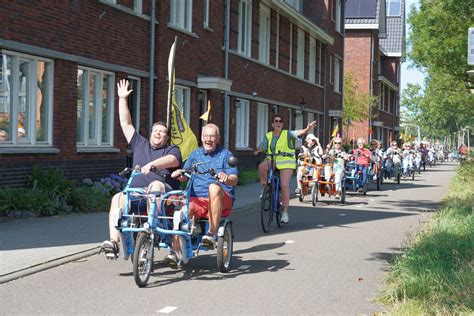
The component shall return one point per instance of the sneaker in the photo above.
(360, 190)
(375, 178)
(172, 260)
(338, 196)
(111, 249)
(209, 241)
(284, 218)
(298, 191)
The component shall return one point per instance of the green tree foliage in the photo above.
(438, 45)
(357, 105)
(438, 40)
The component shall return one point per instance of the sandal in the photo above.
(111, 249)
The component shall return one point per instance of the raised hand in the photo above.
(312, 125)
(122, 89)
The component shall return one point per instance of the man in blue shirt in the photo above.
(211, 197)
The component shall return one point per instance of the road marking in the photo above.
(167, 309)
(271, 268)
(321, 225)
(359, 205)
(289, 242)
(371, 200)
(342, 214)
(243, 267)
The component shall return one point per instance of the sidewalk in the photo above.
(35, 244)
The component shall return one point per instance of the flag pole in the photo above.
(171, 82)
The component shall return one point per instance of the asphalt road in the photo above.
(329, 260)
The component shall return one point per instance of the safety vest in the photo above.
(282, 145)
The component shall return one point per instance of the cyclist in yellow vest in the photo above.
(281, 140)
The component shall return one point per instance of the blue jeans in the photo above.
(365, 171)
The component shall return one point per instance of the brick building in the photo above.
(374, 48)
(61, 61)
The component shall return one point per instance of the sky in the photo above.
(409, 75)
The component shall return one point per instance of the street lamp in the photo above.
(302, 104)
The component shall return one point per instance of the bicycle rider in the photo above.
(312, 151)
(210, 197)
(340, 157)
(155, 152)
(280, 140)
(393, 155)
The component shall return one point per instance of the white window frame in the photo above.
(206, 14)
(136, 94)
(98, 86)
(338, 16)
(138, 6)
(277, 49)
(31, 97)
(183, 100)
(181, 14)
(290, 66)
(300, 62)
(298, 126)
(290, 119)
(262, 121)
(312, 60)
(242, 119)
(388, 7)
(337, 74)
(310, 119)
(245, 28)
(264, 34)
(295, 4)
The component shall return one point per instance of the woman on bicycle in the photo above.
(339, 158)
(280, 140)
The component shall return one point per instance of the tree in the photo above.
(357, 106)
(438, 39)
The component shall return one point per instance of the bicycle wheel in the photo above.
(379, 181)
(143, 259)
(413, 175)
(278, 213)
(314, 193)
(225, 246)
(266, 212)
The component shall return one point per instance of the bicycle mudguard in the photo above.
(223, 224)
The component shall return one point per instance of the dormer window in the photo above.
(393, 7)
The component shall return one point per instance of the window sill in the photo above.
(179, 29)
(243, 148)
(126, 9)
(207, 28)
(96, 149)
(28, 150)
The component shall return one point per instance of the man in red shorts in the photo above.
(210, 196)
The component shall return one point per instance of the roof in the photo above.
(366, 14)
(394, 43)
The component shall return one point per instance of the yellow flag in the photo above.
(205, 116)
(181, 134)
(335, 130)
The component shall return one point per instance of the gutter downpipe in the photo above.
(372, 58)
(152, 66)
(325, 106)
(226, 74)
(343, 66)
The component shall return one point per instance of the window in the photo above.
(242, 108)
(262, 121)
(138, 6)
(181, 14)
(331, 76)
(295, 4)
(95, 107)
(206, 14)
(298, 126)
(312, 60)
(381, 96)
(318, 62)
(393, 7)
(300, 54)
(338, 15)
(26, 99)
(134, 101)
(337, 74)
(310, 119)
(264, 41)
(182, 95)
(245, 27)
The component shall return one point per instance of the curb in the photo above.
(72, 257)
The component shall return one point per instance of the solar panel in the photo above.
(361, 8)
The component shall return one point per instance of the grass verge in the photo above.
(248, 176)
(435, 275)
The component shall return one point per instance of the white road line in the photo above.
(289, 242)
(342, 214)
(359, 205)
(167, 309)
(371, 200)
(271, 268)
(321, 225)
(243, 267)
